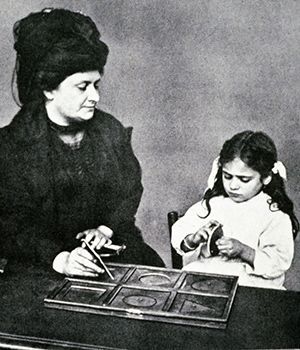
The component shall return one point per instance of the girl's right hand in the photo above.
(192, 241)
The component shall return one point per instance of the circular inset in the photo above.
(206, 285)
(200, 285)
(139, 300)
(154, 279)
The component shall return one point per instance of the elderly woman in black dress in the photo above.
(67, 168)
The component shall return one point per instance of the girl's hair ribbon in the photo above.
(280, 169)
(213, 173)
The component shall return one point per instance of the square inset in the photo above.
(84, 294)
(145, 300)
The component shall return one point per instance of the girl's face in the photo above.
(74, 99)
(241, 182)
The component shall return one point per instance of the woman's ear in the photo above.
(267, 180)
(48, 94)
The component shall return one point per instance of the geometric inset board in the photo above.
(149, 293)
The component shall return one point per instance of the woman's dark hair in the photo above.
(258, 151)
(51, 45)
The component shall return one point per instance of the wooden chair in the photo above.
(175, 257)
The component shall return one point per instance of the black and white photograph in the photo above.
(149, 174)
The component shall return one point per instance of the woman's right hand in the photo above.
(97, 237)
(77, 263)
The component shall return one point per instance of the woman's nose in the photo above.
(93, 94)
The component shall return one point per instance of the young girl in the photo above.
(246, 196)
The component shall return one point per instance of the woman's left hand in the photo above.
(97, 237)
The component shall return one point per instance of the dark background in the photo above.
(187, 75)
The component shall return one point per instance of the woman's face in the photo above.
(75, 98)
(241, 182)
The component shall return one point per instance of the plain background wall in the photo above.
(187, 75)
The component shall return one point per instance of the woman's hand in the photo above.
(97, 237)
(233, 248)
(77, 263)
(81, 263)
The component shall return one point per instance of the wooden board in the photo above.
(149, 293)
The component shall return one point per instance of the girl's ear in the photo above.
(267, 180)
(48, 95)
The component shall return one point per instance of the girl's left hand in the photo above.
(230, 247)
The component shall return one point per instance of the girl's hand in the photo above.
(233, 248)
(97, 237)
(192, 241)
(229, 247)
(77, 263)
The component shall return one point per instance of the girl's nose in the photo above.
(234, 184)
(93, 94)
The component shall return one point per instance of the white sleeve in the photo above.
(275, 250)
(188, 224)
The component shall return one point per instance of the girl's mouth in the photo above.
(234, 195)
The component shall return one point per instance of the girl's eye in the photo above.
(245, 179)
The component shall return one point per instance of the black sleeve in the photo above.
(122, 216)
(24, 231)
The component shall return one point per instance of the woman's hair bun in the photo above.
(55, 43)
(37, 32)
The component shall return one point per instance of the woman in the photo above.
(67, 169)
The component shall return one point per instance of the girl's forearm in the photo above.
(188, 244)
(247, 254)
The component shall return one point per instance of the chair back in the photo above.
(175, 257)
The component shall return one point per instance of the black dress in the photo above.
(49, 192)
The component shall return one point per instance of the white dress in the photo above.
(267, 230)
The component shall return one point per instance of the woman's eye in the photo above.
(245, 180)
(82, 87)
(227, 176)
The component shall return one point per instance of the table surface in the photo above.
(260, 318)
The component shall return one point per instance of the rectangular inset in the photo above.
(144, 300)
(150, 278)
(117, 271)
(205, 283)
(199, 306)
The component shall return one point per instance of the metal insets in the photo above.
(149, 293)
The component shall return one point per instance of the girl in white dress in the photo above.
(246, 195)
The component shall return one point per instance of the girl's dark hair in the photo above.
(258, 151)
(51, 45)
